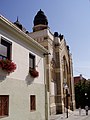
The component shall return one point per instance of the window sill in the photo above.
(3, 116)
(32, 110)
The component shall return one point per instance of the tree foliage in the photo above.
(82, 93)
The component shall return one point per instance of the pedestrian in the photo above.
(79, 110)
(86, 108)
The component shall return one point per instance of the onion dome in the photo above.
(18, 24)
(55, 34)
(40, 18)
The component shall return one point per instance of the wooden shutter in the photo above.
(4, 105)
(32, 102)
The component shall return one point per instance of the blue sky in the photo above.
(68, 17)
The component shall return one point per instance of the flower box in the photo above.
(3, 72)
(7, 66)
(34, 73)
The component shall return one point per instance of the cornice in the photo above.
(10, 27)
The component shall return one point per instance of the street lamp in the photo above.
(86, 98)
(67, 95)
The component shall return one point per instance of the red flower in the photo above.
(7, 65)
(34, 73)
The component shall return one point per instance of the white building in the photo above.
(22, 97)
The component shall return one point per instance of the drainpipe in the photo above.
(46, 91)
(46, 97)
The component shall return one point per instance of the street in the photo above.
(75, 115)
(72, 116)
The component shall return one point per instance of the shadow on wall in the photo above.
(29, 80)
(2, 78)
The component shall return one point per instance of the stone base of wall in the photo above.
(53, 110)
(55, 106)
(56, 110)
(59, 110)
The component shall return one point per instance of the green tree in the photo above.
(82, 93)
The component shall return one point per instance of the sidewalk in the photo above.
(72, 115)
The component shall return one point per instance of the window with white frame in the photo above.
(5, 49)
(31, 61)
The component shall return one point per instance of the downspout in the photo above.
(46, 96)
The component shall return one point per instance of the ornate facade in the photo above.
(59, 69)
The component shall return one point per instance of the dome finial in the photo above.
(17, 18)
(18, 24)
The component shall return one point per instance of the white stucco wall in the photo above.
(19, 99)
(20, 55)
(19, 85)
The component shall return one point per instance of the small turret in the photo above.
(56, 39)
(18, 24)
